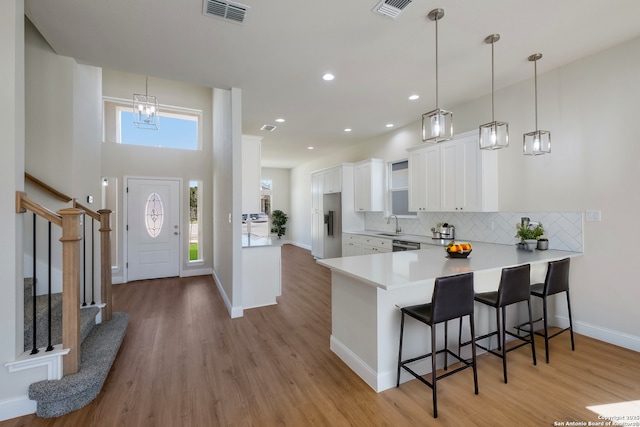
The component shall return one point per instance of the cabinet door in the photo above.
(424, 179)
(333, 180)
(461, 181)
(362, 185)
(432, 178)
(417, 181)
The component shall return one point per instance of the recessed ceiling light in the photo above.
(414, 97)
(347, 130)
(389, 125)
(280, 120)
(328, 77)
(309, 148)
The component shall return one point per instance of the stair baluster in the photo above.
(34, 295)
(84, 260)
(50, 322)
(93, 261)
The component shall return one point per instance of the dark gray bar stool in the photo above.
(514, 288)
(452, 299)
(556, 281)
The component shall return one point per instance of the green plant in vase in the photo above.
(529, 236)
(278, 222)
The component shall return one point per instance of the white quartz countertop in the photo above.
(399, 269)
(257, 241)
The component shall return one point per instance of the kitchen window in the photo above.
(399, 188)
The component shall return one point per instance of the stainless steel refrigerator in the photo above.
(332, 230)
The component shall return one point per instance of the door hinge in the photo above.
(127, 227)
(127, 189)
(127, 265)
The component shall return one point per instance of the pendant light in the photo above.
(493, 135)
(437, 125)
(539, 141)
(146, 114)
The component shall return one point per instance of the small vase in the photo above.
(530, 244)
(543, 245)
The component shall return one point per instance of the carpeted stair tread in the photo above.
(87, 321)
(72, 392)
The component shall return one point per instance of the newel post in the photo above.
(105, 264)
(71, 239)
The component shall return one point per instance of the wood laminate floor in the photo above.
(184, 362)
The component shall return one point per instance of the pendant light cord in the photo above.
(493, 114)
(535, 84)
(436, 61)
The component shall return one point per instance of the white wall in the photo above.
(13, 387)
(227, 196)
(120, 160)
(590, 107)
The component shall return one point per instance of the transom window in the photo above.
(178, 127)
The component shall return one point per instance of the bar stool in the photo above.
(452, 299)
(556, 281)
(514, 288)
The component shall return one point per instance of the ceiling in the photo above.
(278, 56)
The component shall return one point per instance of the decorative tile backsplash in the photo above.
(563, 229)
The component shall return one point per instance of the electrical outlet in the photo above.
(594, 215)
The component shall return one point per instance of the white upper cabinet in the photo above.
(332, 179)
(454, 176)
(251, 152)
(369, 185)
(424, 178)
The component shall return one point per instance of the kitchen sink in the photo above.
(389, 234)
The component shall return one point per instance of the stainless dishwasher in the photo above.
(404, 245)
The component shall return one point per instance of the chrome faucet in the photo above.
(398, 229)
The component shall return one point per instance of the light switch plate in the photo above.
(594, 215)
(89, 199)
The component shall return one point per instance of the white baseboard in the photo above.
(356, 364)
(233, 311)
(610, 336)
(197, 272)
(16, 407)
(117, 280)
(300, 245)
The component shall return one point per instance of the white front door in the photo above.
(153, 228)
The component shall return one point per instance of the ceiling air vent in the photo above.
(228, 11)
(391, 8)
(270, 128)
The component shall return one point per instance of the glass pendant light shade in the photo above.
(493, 135)
(146, 114)
(539, 141)
(437, 125)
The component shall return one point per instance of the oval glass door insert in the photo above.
(154, 214)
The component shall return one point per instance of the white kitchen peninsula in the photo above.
(367, 290)
(261, 270)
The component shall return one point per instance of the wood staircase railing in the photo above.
(69, 220)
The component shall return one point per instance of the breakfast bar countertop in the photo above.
(399, 269)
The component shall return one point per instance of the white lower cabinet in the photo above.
(358, 244)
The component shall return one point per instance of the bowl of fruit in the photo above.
(458, 250)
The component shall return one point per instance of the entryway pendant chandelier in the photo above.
(146, 114)
(539, 141)
(437, 125)
(493, 135)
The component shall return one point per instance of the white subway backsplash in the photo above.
(563, 229)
